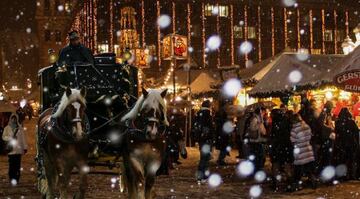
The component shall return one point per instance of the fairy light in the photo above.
(111, 31)
(285, 29)
(272, 32)
(91, 24)
(335, 31)
(347, 22)
(158, 34)
(86, 24)
(218, 33)
(323, 30)
(259, 32)
(188, 20)
(232, 34)
(203, 32)
(143, 23)
(298, 28)
(311, 31)
(173, 17)
(245, 29)
(95, 25)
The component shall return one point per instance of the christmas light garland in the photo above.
(218, 33)
(95, 47)
(335, 31)
(232, 35)
(245, 29)
(111, 26)
(323, 31)
(272, 32)
(143, 24)
(285, 28)
(203, 32)
(188, 25)
(298, 28)
(259, 33)
(347, 22)
(173, 17)
(158, 34)
(311, 31)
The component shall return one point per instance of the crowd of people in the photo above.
(299, 144)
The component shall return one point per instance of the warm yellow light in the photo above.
(329, 95)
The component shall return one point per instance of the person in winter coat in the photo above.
(327, 137)
(255, 132)
(222, 137)
(304, 159)
(347, 143)
(14, 136)
(204, 135)
(281, 148)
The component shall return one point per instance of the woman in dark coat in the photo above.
(347, 142)
(281, 149)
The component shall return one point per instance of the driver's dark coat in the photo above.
(72, 54)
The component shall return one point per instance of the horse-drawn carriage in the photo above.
(81, 127)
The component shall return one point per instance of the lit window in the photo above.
(238, 32)
(251, 32)
(328, 35)
(316, 51)
(340, 35)
(208, 10)
(103, 48)
(223, 11)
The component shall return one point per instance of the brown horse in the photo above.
(63, 145)
(144, 145)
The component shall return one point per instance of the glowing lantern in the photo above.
(175, 46)
(142, 58)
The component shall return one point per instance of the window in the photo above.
(340, 35)
(328, 35)
(47, 35)
(222, 11)
(58, 36)
(238, 32)
(251, 32)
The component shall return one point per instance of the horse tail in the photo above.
(42, 183)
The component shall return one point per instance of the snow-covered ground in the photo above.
(180, 184)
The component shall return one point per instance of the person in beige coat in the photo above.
(14, 136)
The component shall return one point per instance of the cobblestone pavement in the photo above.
(180, 184)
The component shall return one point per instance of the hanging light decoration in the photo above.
(143, 24)
(285, 29)
(173, 17)
(272, 32)
(232, 34)
(188, 25)
(311, 31)
(95, 26)
(298, 28)
(347, 22)
(323, 31)
(203, 33)
(111, 26)
(218, 33)
(335, 31)
(246, 29)
(259, 32)
(158, 34)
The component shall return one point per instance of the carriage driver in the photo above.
(75, 52)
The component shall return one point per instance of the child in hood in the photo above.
(14, 136)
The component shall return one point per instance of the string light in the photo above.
(335, 31)
(285, 29)
(259, 32)
(347, 22)
(111, 27)
(158, 34)
(143, 23)
(91, 24)
(203, 32)
(272, 32)
(188, 19)
(95, 26)
(298, 28)
(323, 30)
(245, 29)
(232, 34)
(173, 17)
(311, 31)
(218, 33)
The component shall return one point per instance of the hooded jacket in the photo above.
(19, 141)
(300, 137)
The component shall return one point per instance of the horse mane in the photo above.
(152, 97)
(65, 101)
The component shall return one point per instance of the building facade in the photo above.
(317, 27)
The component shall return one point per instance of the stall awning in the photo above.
(202, 84)
(312, 70)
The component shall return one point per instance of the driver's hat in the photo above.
(73, 35)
